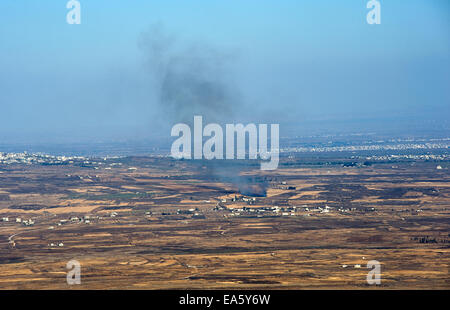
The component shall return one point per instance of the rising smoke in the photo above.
(189, 78)
(196, 79)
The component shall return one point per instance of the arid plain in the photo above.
(156, 223)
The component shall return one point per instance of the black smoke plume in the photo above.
(196, 79)
(189, 78)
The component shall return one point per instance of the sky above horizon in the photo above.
(281, 62)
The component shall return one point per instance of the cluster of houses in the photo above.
(194, 212)
(357, 266)
(305, 210)
(278, 211)
(283, 185)
(28, 222)
(57, 244)
(189, 211)
(248, 200)
(43, 159)
(88, 177)
(74, 219)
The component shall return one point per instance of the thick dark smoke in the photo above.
(234, 172)
(253, 190)
(196, 79)
(190, 79)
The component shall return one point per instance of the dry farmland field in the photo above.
(156, 223)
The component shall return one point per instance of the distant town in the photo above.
(370, 149)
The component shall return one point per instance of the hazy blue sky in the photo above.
(287, 60)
